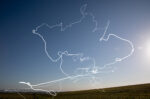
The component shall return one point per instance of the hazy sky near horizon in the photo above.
(22, 56)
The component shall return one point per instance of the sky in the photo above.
(22, 55)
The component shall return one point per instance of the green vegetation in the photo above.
(125, 92)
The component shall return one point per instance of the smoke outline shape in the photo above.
(89, 71)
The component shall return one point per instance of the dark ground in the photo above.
(141, 91)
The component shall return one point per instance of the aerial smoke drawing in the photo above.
(79, 71)
(56, 47)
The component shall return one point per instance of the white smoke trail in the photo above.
(88, 72)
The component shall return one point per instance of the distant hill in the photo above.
(141, 91)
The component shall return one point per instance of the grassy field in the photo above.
(125, 92)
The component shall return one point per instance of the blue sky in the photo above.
(22, 56)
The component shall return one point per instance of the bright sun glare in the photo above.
(148, 48)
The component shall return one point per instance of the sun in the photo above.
(148, 48)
